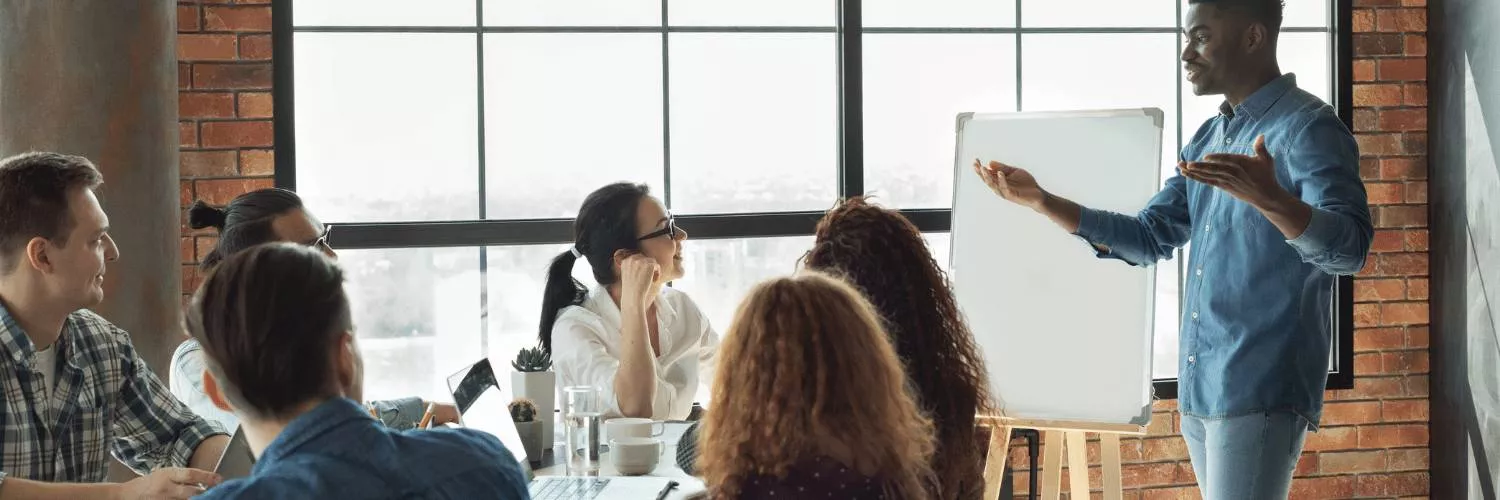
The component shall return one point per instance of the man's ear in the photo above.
(215, 394)
(1256, 38)
(36, 254)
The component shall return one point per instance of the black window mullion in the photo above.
(851, 167)
(484, 261)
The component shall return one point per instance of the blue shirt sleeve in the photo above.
(1322, 161)
(1151, 235)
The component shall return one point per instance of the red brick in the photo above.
(1408, 460)
(1185, 474)
(1416, 45)
(1162, 449)
(1377, 94)
(187, 133)
(188, 19)
(1403, 120)
(1387, 240)
(1416, 385)
(1178, 493)
(1379, 290)
(232, 76)
(1306, 464)
(1416, 192)
(1392, 436)
(254, 104)
(1388, 485)
(1414, 143)
(184, 75)
(222, 191)
(1414, 94)
(1377, 387)
(186, 250)
(1404, 313)
(244, 19)
(1364, 70)
(1418, 337)
(1414, 3)
(1367, 363)
(1413, 410)
(1161, 425)
(1417, 240)
(1366, 315)
(1404, 69)
(208, 163)
(185, 193)
(1364, 21)
(1405, 362)
(1370, 266)
(1379, 339)
(1348, 413)
(1366, 120)
(205, 105)
(1403, 168)
(204, 245)
(1403, 216)
(1332, 438)
(1369, 168)
(1164, 405)
(255, 47)
(1376, 3)
(237, 134)
(1378, 144)
(257, 162)
(1132, 450)
(1402, 264)
(1158, 474)
(1385, 193)
(1351, 461)
(1397, 20)
(1323, 487)
(204, 47)
(190, 278)
(1378, 44)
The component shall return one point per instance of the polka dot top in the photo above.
(815, 479)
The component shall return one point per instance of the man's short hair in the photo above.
(1267, 12)
(34, 190)
(269, 319)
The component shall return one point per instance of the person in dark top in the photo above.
(832, 415)
(883, 255)
(274, 322)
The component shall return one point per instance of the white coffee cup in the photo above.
(631, 427)
(633, 456)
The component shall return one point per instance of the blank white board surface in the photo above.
(1065, 335)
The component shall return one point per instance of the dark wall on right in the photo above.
(1464, 122)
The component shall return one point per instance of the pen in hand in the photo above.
(426, 422)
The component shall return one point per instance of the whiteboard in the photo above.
(1065, 335)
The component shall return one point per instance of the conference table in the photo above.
(665, 468)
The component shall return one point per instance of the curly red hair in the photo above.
(806, 371)
(884, 255)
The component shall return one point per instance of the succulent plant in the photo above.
(532, 359)
(522, 410)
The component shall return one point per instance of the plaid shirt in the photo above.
(105, 395)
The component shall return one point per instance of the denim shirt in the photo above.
(1258, 310)
(338, 451)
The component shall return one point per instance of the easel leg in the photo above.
(994, 464)
(1078, 465)
(1052, 445)
(1109, 460)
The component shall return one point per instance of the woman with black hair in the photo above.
(646, 347)
(253, 218)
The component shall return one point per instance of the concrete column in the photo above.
(98, 78)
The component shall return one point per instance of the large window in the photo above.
(451, 141)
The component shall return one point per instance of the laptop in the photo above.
(237, 459)
(484, 407)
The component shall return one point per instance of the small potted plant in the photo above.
(535, 380)
(523, 413)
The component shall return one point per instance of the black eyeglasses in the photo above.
(670, 229)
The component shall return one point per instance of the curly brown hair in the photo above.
(883, 254)
(809, 373)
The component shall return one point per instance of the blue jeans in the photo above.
(1249, 457)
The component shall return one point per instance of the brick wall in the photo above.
(224, 108)
(1374, 441)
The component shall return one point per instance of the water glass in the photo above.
(582, 414)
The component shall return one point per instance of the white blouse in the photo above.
(586, 347)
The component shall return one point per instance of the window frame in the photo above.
(850, 169)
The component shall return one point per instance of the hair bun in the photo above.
(201, 215)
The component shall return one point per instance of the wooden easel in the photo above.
(1053, 434)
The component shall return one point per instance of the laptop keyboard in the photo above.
(569, 488)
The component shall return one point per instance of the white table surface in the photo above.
(666, 467)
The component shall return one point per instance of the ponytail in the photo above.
(561, 291)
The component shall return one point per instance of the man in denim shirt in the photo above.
(1270, 195)
(274, 322)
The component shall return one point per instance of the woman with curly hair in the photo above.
(822, 405)
(883, 254)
